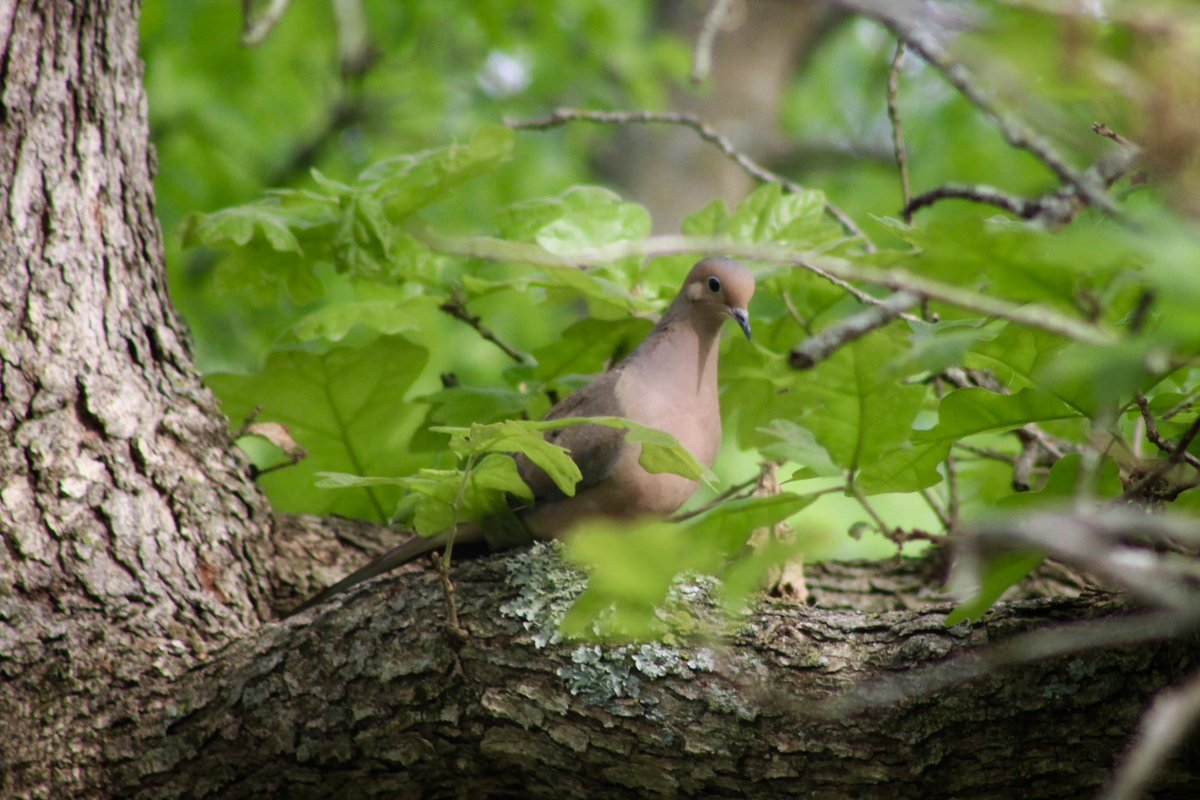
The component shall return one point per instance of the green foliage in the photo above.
(624, 594)
(346, 407)
(408, 305)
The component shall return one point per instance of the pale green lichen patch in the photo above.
(614, 675)
(546, 587)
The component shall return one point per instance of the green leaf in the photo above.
(1022, 357)
(498, 473)
(589, 346)
(1001, 572)
(728, 526)
(346, 408)
(661, 452)
(962, 413)
(267, 220)
(631, 566)
(407, 183)
(579, 219)
(857, 409)
(334, 321)
(512, 436)
(797, 444)
(1064, 483)
(769, 214)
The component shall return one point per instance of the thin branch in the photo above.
(893, 109)
(816, 349)
(702, 54)
(1162, 729)
(857, 293)
(985, 452)
(858, 495)
(456, 307)
(1157, 439)
(356, 54)
(1054, 208)
(1178, 453)
(1182, 405)
(1105, 542)
(256, 29)
(952, 496)
(746, 486)
(1023, 464)
(453, 625)
(936, 507)
(1029, 314)
(563, 116)
(1101, 129)
(805, 324)
(977, 193)
(1015, 131)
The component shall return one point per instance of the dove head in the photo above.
(719, 288)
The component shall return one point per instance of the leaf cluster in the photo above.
(1029, 377)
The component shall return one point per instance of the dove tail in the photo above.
(398, 555)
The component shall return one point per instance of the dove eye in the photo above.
(714, 283)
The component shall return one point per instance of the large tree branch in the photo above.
(365, 694)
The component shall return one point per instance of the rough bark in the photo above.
(374, 698)
(138, 564)
(125, 515)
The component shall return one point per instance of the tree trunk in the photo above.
(128, 521)
(139, 567)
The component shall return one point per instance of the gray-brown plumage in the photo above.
(669, 383)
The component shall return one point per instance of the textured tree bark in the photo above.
(139, 566)
(374, 698)
(128, 523)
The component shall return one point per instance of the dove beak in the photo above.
(743, 319)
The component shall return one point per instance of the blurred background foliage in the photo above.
(326, 304)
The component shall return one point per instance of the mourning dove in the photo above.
(668, 383)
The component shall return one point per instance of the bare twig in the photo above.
(1157, 439)
(1054, 208)
(355, 52)
(1015, 131)
(1178, 454)
(987, 195)
(936, 507)
(952, 498)
(801, 320)
(893, 109)
(985, 452)
(1108, 133)
(816, 349)
(453, 626)
(737, 491)
(1106, 542)
(702, 54)
(1161, 731)
(456, 307)
(563, 116)
(857, 293)
(1028, 314)
(1023, 464)
(1181, 406)
(858, 495)
(255, 29)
